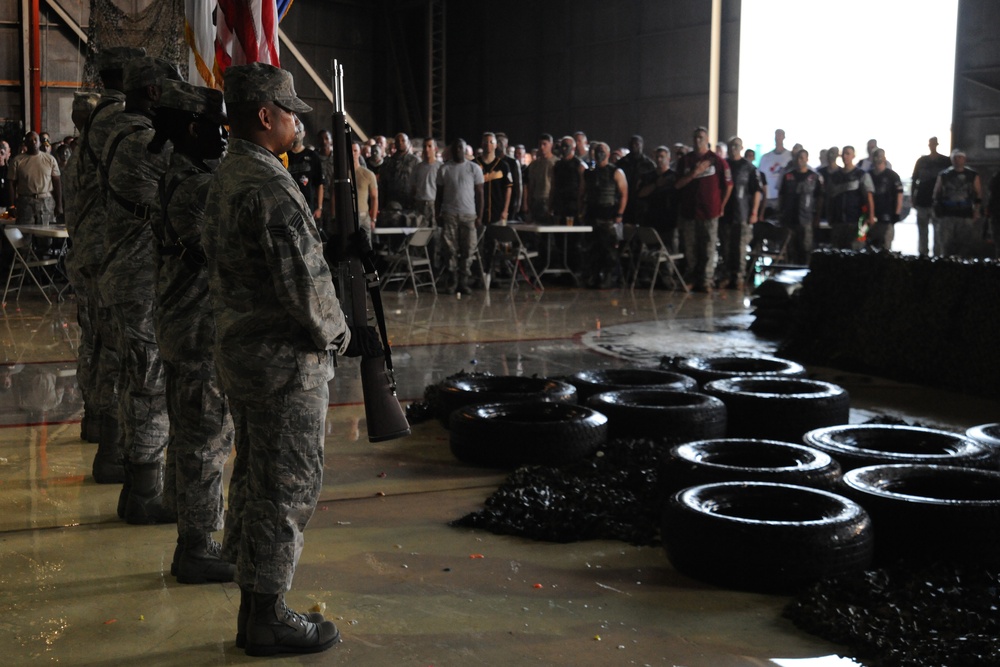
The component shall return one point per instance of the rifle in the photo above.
(355, 272)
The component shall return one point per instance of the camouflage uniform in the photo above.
(279, 323)
(126, 284)
(201, 429)
(72, 181)
(87, 254)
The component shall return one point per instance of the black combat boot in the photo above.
(90, 425)
(273, 628)
(200, 563)
(177, 556)
(126, 489)
(108, 465)
(144, 503)
(246, 600)
(462, 285)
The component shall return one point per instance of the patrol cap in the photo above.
(116, 57)
(259, 82)
(148, 71)
(84, 101)
(185, 96)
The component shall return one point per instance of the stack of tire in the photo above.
(775, 302)
(933, 496)
(508, 421)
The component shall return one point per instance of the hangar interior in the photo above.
(80, 587)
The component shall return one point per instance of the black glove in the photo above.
(364, 343)
(360, 243)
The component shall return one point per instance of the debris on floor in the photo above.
(610, 496)
(907, 615)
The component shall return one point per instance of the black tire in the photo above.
(779, 408)
(507, 435)
(929, 512)
(858, 445)
(707, 369)
(458, 392)
(747, 460)
(659, 414)
(773, 538)
(986, 434)
(588, 383)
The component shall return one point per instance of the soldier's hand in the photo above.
(364, 342)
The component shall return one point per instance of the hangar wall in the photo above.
(976, 104)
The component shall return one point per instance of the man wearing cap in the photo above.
(33, 179)
(131, 175)
(278, 326)
(100, 417)
(191, 119)
(957, 205)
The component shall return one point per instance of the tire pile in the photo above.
(932, 320)
(751, 478)
(775, 303)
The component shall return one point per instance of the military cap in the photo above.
(85, 101)
(185, 96)
(259, 82)
(116, 57)
(148, 71)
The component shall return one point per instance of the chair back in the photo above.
(650, 237)
(421, 237)
(503, 234)
(15, 237)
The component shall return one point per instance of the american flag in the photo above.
(221, 33)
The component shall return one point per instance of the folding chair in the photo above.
(412, 262)
(653, 252)
(508, 249)
(768, 248)
(23, 263)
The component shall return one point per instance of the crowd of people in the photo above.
(703, 201)
(208, 314)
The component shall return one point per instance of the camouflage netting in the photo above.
(159, 28)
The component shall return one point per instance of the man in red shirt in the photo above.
(705, 184)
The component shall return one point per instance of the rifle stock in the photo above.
(357, 279)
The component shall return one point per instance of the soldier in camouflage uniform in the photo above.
(84, 104)
(201, 430)
(278, 326)
(460, 205)
(396, 176)
(86, 256)
(127, 287)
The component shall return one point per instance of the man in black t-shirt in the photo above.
(925, 173)
(306, 167)
(656, 188)
(498, 182)
(887, 191)
(800, 197)
(740, 213)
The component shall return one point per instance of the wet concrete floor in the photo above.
(79, 587)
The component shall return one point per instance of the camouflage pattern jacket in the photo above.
(133, 175)
(88, 229)
(185, 329)
(278, 319)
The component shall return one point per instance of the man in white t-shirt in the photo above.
(772, 165)
(423, 183)
(460, 205)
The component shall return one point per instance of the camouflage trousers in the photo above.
(104, 361)
(460, 241)
(277, 478)
(602, 251)
(36, 210)
(142, 390)
(424, 209)
(85, 353)
(201, 439)
(700, 253)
